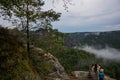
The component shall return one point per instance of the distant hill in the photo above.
(98, 39)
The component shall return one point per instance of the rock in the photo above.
(79, 74)
(58, 73)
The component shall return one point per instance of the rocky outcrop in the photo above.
(58, 73)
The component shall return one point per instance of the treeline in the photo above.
(98, 39)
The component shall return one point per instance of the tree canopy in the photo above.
(25, 13)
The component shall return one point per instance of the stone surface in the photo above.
(59, 72)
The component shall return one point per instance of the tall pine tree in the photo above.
(26, 13)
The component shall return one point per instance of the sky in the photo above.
(87, 15)
(84, 15)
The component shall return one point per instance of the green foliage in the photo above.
(52, 41)
(14, 63)
(74, 59)
(49, 40)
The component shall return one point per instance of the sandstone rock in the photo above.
(59, 72)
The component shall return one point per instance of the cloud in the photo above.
(5, 23)
(109, 53)
(84, 15)
(115, 27)
(90, 13)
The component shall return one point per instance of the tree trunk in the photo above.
(27, 31)
(28, 41)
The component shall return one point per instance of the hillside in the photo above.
(16, 65)
(98, 39)
(49, 59)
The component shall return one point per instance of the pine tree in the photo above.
(25, 13)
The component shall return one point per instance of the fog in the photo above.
(109, 53)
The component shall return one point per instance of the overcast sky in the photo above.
(87, 15)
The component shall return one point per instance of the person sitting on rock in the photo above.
(96, 68)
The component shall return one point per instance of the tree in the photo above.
(25, 13)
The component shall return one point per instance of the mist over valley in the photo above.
(102, 44)
(107, 52)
